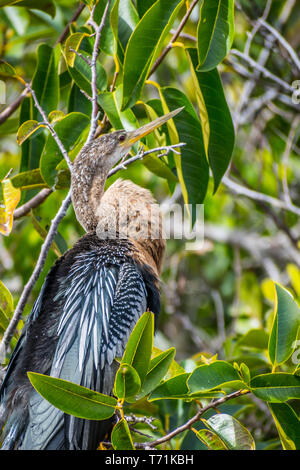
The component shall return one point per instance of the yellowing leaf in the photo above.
(9, 199)
(27, 129)
(72, 44)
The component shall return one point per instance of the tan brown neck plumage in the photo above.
(125, 210)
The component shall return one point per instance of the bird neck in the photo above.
(87, 190)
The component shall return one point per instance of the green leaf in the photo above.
(31, 179)
(46, 6)
(144, 45)
(110, 102)
(70, 130)
(32, 147)
(127, 382)
(6, 300)
(192, 166)
(177, 388)
(210, 439)
(217, 374)
(143, 6)
(120, 437)
(27, 129)
(139, 346)
(128, 20)
(276, 387)
(158, 368)
(215, 32)
(216, 121)
(285, 326)
(73, 42)
(81, 73)
(287, 424)
(46, 78)
(255, 338)
(72, 398)
(231, 432)
(6, 70)
(107, 35)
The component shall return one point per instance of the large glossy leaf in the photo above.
(287, 424)
(210, 439)
(231, 432)
(69, 130)
(144, 45)
(127, 382)
(177, 388)
(276, 387)
(158, 368)
(9, 199)
(31, 179)
(46, 79)
(6, 300)
(107, 35)
(192, 166)
(139, 346)
(110, 102)
(27, 129)
(216, 121)
(72, 398)
(46, 6)
(81, 73)
(215, 32)
(32, 147)
(217, 374)
(121, 438)
(128, 20)
(285, 326)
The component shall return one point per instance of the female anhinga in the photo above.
(89, 302)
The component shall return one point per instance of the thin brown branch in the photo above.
(9, 110)
(98, 31)
(174, 38)
(186, 426)
(32, 203)
(65, 32)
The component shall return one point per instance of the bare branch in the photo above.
(32, 203)
(65, 32)
(186, 426)
(174, 38)
(98, 31)
(12, 107)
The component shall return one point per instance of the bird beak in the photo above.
(137, 134)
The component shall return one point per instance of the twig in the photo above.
(263, 70)
(65, 32)
(141, 154)
(34, 277)
(174, 38)
(50, 127)
(32, 203)
(12, 107)
(186, 426)
(98, 31)
(255, 195)
(282, 41)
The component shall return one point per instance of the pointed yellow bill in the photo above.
(137, 134)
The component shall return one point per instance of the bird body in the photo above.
(89, 303)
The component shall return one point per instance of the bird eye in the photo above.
(122, 137)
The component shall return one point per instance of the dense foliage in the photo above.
(229, 303)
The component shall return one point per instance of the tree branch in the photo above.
(98, 31)
(65, 32)
(186, 426)
(32, 203)
(174, 38)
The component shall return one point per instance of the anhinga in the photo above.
(89, 303)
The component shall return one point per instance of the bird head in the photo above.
(110, 148)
